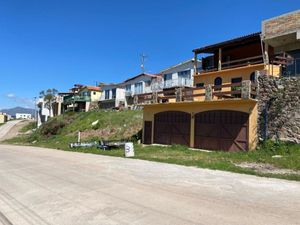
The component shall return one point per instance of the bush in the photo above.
(275, 147)
(52, 127)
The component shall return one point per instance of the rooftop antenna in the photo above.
(143, 57)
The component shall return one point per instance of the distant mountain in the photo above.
(15, 110)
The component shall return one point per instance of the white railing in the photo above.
(180, 82)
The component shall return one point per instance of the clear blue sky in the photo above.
(56, 43)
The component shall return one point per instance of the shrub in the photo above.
(52, 127)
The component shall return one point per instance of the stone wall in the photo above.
(279, 108)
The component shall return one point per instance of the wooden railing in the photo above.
(243, 90)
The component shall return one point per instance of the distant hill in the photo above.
(15, 110)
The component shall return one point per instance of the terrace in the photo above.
(243, 90)
(239, 52)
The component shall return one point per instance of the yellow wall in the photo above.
(247, 106)
(95, 97)
(228, 74)
(3, 118)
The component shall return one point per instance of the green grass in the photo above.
(176, 154)
(28, 127)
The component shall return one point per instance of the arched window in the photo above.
(252, 77)
(218, 82)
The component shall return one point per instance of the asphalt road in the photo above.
(43, 186)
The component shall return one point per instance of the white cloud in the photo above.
(10, 95)
(23, 101)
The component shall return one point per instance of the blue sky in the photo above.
(56, 43)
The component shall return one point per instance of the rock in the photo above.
(95, 122)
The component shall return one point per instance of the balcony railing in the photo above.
(243, 90)
(163, 84)
(76, 98)
(280, 59)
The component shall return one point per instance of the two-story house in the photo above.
(113, 96)
(137, 85)
(179, 75)
(80, 98)
(220, 111)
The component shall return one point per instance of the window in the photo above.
(94, 93)
(128, 88)
(200, 85)
(114, 93)
(138, 88)
(236, 88)
(185, 74)
(106, 94)
(253, 77)
(236, 80)
(168, 76)
(148, 83)
(218, 82)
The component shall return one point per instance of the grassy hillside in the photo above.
(60, 131)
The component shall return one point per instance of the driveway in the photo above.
(44, 186)
(11, 128)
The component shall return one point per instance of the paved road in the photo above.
(7, 127)
(44, 186)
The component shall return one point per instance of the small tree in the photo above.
(48, 96)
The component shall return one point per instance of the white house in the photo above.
(23, 116)
(179, 75)
(136, 85)
(113, 96)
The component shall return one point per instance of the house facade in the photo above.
(179, 75)
(113, 96)
(137, 85)
(219, 112)
(26, 116)
(80, 98)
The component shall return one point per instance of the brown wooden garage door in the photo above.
(172, 127)
(221, 130)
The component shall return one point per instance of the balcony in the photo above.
(243, 90)
(128, 93)
(274, 61)
(164, 84)
(75, 98)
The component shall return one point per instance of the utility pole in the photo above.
(35, 112)
(143, 57)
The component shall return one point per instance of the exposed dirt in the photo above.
(14, 131)
(266, 168)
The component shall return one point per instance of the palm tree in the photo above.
(49, 96)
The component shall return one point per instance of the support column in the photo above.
(266, 54)
(195, 63)
(220, 59)
(58, 108)
(192, 130)
(246, 89)
(208, 92)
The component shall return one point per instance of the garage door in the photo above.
(172, 127)
(221, 130)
